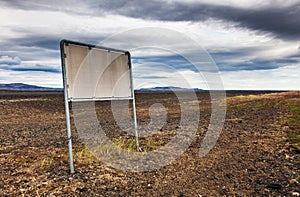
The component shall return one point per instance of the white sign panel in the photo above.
(96, 73)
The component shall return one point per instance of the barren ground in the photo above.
(256, 154)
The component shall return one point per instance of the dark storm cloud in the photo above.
(297, 55)
(26, 53)
(287, 61)
(281, 21)
(253, 65)
(53, 5)
(37, 42)
(136, 75)
(176, 63)
(233, 60)
(35, 46)
(48, 41)
(41, 69)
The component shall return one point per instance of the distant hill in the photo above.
(26, 87)
(168, 88)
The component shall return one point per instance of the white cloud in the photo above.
(245, 3)
(157, 74)
(10, 60)
(31, 77)
(285, 78)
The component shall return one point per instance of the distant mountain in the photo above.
(26, 87)
(168, 88)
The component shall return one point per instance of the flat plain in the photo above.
(256, 154)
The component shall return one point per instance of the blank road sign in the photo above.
(94, 72)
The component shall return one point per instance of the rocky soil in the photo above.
(256, 154)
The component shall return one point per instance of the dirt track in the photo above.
(256, 154)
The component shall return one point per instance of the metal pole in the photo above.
(135, 125)
(63, 56)
(69, 136)
(133, 105)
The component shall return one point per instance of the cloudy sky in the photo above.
(254, 43)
